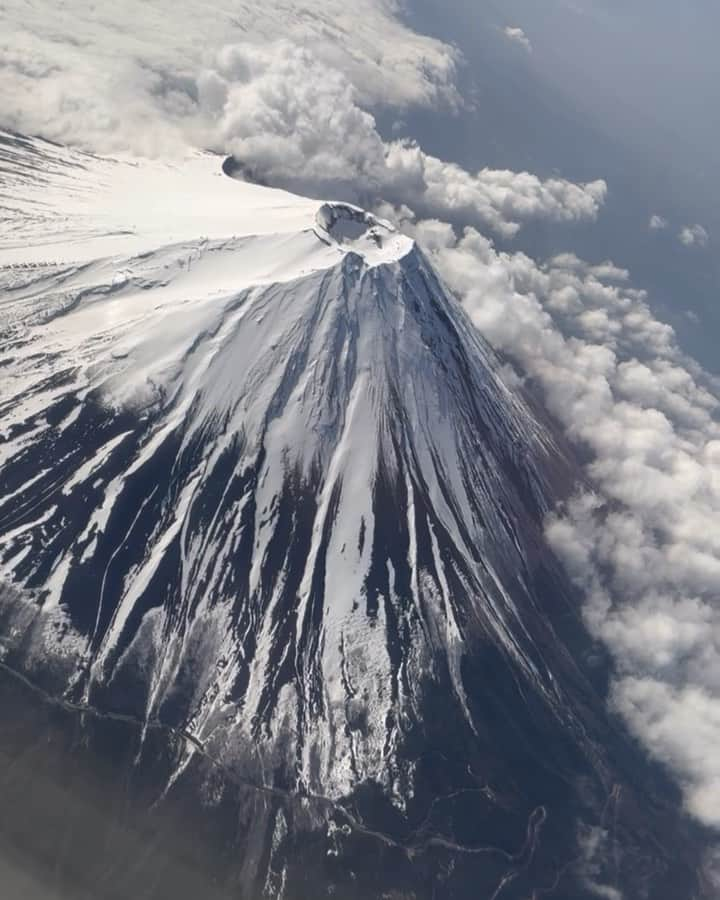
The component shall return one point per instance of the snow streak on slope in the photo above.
(268, 511)
(264, 479)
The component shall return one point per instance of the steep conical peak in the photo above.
(262, 404)
(264, 492)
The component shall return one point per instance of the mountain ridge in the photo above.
(270, 490)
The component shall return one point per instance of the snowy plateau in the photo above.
(277, 618)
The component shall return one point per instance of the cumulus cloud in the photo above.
(518, 36)
(113, 76)
(643, 544)
(292, 122)
(295, 112)
(499, 198)
(657, 223)
(694, 235)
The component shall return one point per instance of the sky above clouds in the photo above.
(346, 102)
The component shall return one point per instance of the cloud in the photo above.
(499, 198)
(518, 36)
(694, 235)
(643, 544)
(596, 849)
(112, 76)
(295, 112)
(292, 122)
(657, 223)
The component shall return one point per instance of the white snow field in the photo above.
(210, 389)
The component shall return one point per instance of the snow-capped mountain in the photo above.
(267, 504)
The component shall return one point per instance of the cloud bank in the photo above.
(644, 544)
(292, 122)
(111, 76)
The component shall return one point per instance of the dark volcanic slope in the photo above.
(277, 617)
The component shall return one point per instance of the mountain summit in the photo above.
(271, 529)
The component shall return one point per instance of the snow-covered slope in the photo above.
(290, 377)
(261, 483)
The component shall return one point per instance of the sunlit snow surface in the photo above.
(286, 371)
(261, 483)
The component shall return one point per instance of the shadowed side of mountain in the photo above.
(278, 615)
